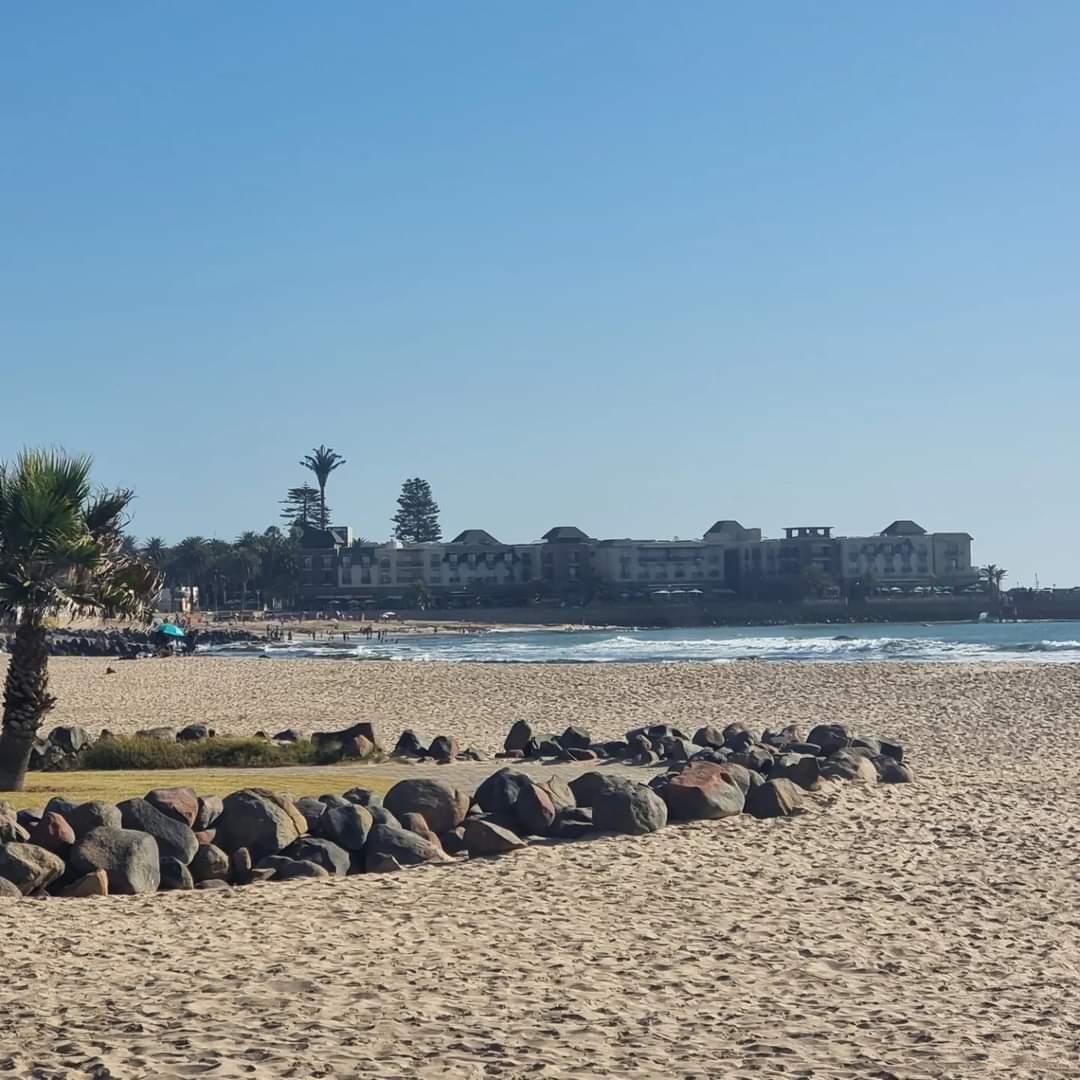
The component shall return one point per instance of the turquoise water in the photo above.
(1050, 642)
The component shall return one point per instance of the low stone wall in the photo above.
(175, 839)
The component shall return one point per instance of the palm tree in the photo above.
(322, 462)
(61, 551)
(993, 575)
(190, 558)
(155, 552)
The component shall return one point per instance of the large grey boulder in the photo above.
(180, 803)
(483, 837)
(175, 840)
(408, 848)
(347, 826)
(175, 876)
(500, 791)
(253, 819)
(442, 806)
(848, 765)
(802, 769)
(325, 853)
(891, 771)
(702, 791)
(775, 798)
(709, 736)
(520, 735)
(70, 739)
(830, 737)
(130, 859)
(86, 816)
(210, 862)
(629, 808)
(29, 867)
(312, 809)
(534, 810)
(586, 787)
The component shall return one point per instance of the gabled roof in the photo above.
(903, 527)
(313, 539)
(476, 537)
(726, 526)
(565, 534)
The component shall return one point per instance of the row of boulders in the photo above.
(175, 839)
(828, 751)
(125, 643)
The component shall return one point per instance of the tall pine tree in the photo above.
(301, 506)
(417, 519)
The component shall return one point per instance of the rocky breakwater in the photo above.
(125, 644)
(174, 839)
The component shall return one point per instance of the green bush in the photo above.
(139, 752)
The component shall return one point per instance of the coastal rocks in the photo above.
(848, 765)
(8, 891)
(96, 883)
(53, 833)
(180, 803)
(29, 867)
(325, 853)
(407, 848)
(632, 809)
(775, 798)
(444, 748)
(709, 736)
(410, 745)
(211, 807)
(339, 741)
(534, 809)
(361, 796)
(575, 738)
(253, 819)
(130, 859)
(193, 733)
(210, 862)
(300, 868)
(442, 806)
(174, 876)
(174, 838)
(313, 811)
(91, 815)
(799, 768)
(483, 837)
(891, 771)
(290, 735)
(586, 787)
(831, 738)
(347, 826)
(520, 736)
(702, 791)
(499, 793)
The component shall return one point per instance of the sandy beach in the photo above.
(930, 930)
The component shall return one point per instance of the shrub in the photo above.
(135, 752)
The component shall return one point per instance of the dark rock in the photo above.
(534, 810)
(868, 744)
(443, 807)
(312, 809)
(560, 792)
(702, 791)
(533, 748)
(300, 868)
(29, 867)
(484, 837)
(499, 792)
(677, 749)
(85, 817)
(240, 866)
(520, 735)
(847, 765)
(802, 748)
(575, 738)
(193, 733)
(180, 803)
(358, 746)
(757, 758)
(830, 737)
(347, 826)
(210, 862)
(891, 771)
(892, 749)
(381, 816)
(211, 807)
(70, 739)
(130, 858)
(513, 755)
(175, 876)
(453, 842)
(64, 807)
(613, 748)
(212, 883)
(410, 744)
(288, 735)
(174, 838)
(745, 778)
(709, 736)
(329, 741)
(362, 796)
(54, 834)
(775, 798)
(335, 800)
(588, 785)
(639, 744)
(803, 769)
(325, 853)
(470, 754)
(654, 733)
(252, 818)
(383, 864)
(737, 737)
(625, 807)
(444, 748)
(573, 823)
(404, 846)
(550, 747)
(576, 754)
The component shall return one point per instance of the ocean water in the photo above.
(1050, 642)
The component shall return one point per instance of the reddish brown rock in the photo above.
(53, 833)
(702, 790)
(180, 803)
(96, 883)
(535, 809)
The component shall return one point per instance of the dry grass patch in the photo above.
(115, 785)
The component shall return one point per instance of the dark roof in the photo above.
(903, 527)
(317, 539)
(565, 534)
(725, 526)
(475, 537)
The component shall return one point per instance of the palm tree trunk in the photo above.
(322, 505)
(26, 701)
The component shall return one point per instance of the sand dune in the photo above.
(930, 930)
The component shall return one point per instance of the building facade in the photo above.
(568, 564)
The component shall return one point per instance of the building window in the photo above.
(384, 579)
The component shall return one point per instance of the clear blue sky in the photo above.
(629, 266)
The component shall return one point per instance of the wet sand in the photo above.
(930, 930)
